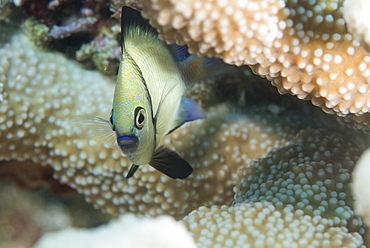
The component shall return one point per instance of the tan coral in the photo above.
(42, 90)
(302, 46)
(295, 196)
(312, 174)
(265, 225)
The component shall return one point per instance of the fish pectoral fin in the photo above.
(93, 128)
(132, 170)
(170, 163)
(189, 110)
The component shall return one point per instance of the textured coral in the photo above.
(128, 231)
(312, 174)
(302, 46)
(37, 130)
(296, 196)
(265, 225)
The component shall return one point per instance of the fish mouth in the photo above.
(128, 143)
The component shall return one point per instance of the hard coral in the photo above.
(265, 225)
(295, 196)
(312, 174)
(43, 89)
(303, 47)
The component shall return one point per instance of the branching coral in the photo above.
(303, 47)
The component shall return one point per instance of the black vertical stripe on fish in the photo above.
(170, 163)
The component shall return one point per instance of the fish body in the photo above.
(148, 101)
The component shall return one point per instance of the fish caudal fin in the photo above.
(170, 163)
(189, 110)
(132, 170)
(93, 128)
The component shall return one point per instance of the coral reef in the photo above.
(104, 50)
(312, 174)
(296, 162)
(265, 225)
(128, 231)
(38, 131)
(295, 196)
(302, 47)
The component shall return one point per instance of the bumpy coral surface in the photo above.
(296, 196)
(42, 90)
(265, 225)
(303, 47)
(313, 174)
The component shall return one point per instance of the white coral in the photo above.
(128, 231)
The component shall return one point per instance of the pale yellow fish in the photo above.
(148, 100)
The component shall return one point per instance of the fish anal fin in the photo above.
(170, 163)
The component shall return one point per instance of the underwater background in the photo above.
(273, 162)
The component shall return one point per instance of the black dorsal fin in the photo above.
(170, 163)
(132, 18)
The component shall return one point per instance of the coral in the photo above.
(83, 24)
(356, 16)
(303, 47)
(295, 196)
(39, 32)
(128, 231)
(265, 225)
(104, 50)
(360, 186)
(43, 89)
(312, 174)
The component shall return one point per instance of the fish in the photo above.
(148, 101)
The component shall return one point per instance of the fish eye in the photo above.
(140, 115)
